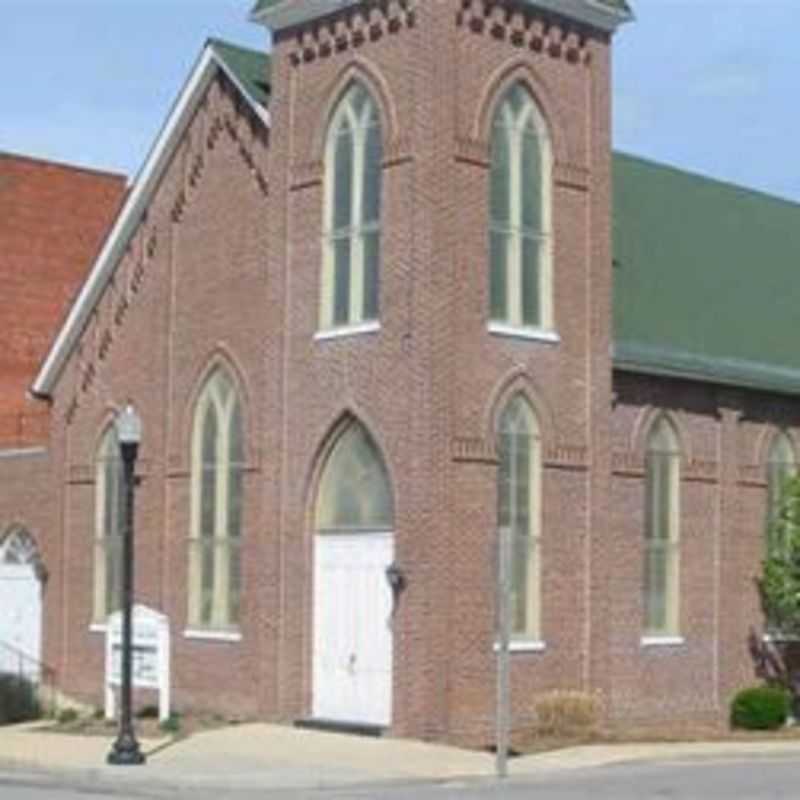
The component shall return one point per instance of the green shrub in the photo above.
(18, 700)
(172, 724)
(67, 716)
(760, 708)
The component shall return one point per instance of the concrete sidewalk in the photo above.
(251, 756)
(271, 757)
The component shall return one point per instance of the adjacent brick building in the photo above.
(54, 217)
(364, 299)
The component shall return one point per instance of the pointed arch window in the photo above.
(352, 216)
(520, 215)
(17, 547)
(216, 510)
(781, 465)
(109, 526)
(519, 511)
(355, 492)
(662, 531)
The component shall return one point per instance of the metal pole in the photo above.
(125, 750)
(503, 648)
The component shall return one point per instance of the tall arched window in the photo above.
(781, 465)
(520, 215)
(217, 490)
(109, 526)
(662, 531)
(519, 511)
(353, 158)
(355, 492)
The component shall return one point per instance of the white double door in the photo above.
(353, 605)
(20, 620)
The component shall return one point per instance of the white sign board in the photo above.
(149, 656)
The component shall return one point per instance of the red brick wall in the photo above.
(218, 270)
(53, 218)
(191, 288)
(725, 434)
(429, 385)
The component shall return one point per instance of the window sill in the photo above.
(522, 646)
(662, 641)
(347, 330)
(212, 635)
(520, 332)
(97, 627)
(779, 638)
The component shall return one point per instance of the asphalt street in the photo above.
(773, 778)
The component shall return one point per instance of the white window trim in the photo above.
(662, 641)
(523, 646)
(23, 452)
(97, 627)
(781, 455)
(779, 638)
(514, 299)
(523, 332)
(106, 453)
(211, 635)
(532, 633)
(357, 226)
(373, 326)
(221, 587)
(671, 633)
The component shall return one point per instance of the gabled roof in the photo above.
(706, 278)
(251, 67)
(248, 71)
(706, 274)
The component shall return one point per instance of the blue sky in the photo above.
(709, 85)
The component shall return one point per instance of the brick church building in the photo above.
(376, 296)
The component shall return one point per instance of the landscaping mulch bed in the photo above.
(146, 728)
(524, 743)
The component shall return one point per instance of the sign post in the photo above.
(503, 710)
(150, 662)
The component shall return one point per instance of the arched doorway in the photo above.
(353, 603)
(20, 605)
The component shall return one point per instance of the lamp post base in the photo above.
(126, 752)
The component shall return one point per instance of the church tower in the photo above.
(444, 246)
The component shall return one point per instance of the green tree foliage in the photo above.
(779, 584)
(18, 701)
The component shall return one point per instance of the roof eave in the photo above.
(739, 373)
(290, 13)
(131, 213)
(591, 12)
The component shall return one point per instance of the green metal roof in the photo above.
(251, 68)
(263, 5)
(622, 5)
(705, 273)
(706, 278)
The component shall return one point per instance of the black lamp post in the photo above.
(129, 432)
